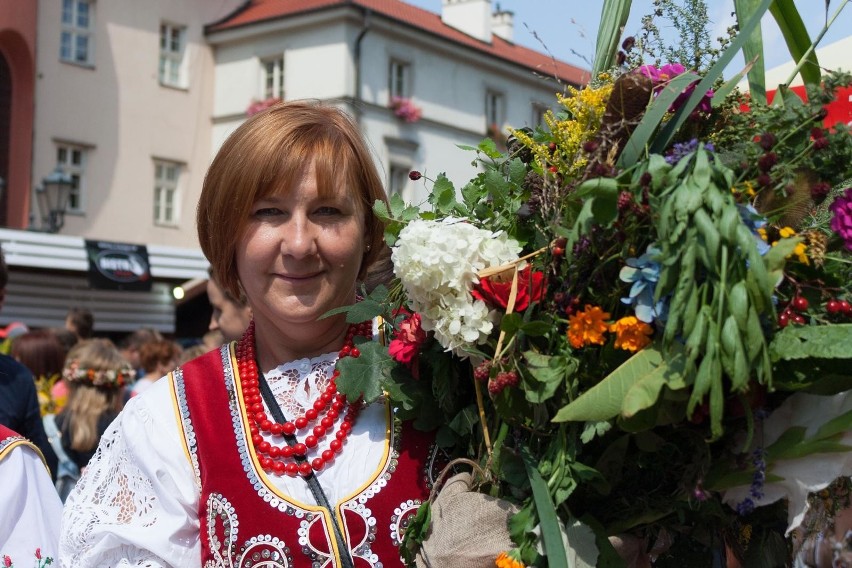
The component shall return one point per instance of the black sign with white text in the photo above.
(118, 266)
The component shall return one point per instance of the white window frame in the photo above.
(72, 159)
(73, 33)
(166, 211)
(495, 108)
(272, 77)
(399, 78)
(172, 63)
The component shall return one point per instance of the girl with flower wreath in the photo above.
(95, 373)
(248, 455)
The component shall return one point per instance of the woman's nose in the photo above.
(300, 238)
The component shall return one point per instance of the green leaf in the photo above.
(443, 195)
(358, 312)
(636, 145)
(365, 376)
(812, 341)
(753, 49)
(633, 386)
(496, 185)
(536, 328)
(416, 533)
(551, 534)
(613, 19)
(798, 42)
(488, 147)
(465, 147)
(546, 375)
(517, 171)
(729, 85)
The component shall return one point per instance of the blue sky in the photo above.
(565, 29)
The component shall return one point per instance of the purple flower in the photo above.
(682, 149)
(841, 220)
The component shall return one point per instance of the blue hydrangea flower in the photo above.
(643, 273)
(754, 221)
(682, 149)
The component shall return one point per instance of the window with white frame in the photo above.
(172, 50)
(494, 109)
(78, 26)
(71, 159)
(399, 79)
(166, 177)
(272, 69)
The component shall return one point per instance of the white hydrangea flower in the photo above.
(437, 263)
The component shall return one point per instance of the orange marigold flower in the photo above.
(504, 560)
(587, 327)
(631, 334)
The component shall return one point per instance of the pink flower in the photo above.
(260, 106)
(7, 562)
(407, 341)
(38, 553)
(405, 109)
(841, 220)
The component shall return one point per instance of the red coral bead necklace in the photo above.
(292, 457)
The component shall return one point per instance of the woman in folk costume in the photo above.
(248, 456)
(30, 509)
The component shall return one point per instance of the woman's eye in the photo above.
(267, 212)
(328, 210)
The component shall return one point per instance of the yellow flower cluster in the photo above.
(801, 250)
(631, 334)
(585, 109)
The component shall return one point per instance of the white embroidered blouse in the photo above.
(137, 502)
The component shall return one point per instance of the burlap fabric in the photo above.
(468, 529)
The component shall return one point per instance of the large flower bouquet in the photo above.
(637, 320)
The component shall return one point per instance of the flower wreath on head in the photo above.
(107, 378)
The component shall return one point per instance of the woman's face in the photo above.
(300, 254)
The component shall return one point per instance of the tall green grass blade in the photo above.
(613, 19)
(730, 85)
(798, 41)
(551, 533)
(753, 49)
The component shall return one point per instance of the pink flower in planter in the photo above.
(405, 109)
(260, 106)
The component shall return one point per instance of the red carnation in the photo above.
(405, 346)
(496, 293)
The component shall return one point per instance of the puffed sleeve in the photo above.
(136, 503)
(31, 509)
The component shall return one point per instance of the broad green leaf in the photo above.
(613, 19)
(547, 374)
(488, 147)
(837, 425)
(582, 548)
(551, 535)
(596, 186)
(465, 147)
(798, 42)
(358, 312)
(753, 50)
(633, 386)
(812, 341)
(364, 376)
(381, 209)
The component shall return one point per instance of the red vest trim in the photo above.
(10, 439)
(247, 522)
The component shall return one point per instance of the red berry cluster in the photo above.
(837, 307)
(482, 371)
(502, 380)
(793, 312)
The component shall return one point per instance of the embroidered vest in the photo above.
(10, 439)
(246, 522)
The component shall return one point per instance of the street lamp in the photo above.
(52, 199)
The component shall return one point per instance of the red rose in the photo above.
(496, 293)
(405, 346)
